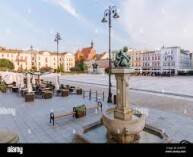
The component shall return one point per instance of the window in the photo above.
(7, 55)
(46, 60)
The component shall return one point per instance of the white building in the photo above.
(26, 60)
(175, 59)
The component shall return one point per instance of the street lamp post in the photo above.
(57, 38)
(111, 12)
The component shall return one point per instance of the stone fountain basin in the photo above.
(131, 126)
(96, 132)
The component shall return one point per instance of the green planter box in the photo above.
(80, 111)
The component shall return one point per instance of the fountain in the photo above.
(121, 124)
(123, 127)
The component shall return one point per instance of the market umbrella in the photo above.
(29, 86)
(56, 83)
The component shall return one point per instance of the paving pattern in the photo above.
(31, 120)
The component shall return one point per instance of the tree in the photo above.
(33, 69)
(60, 68)
(45, 69)
(6, 64)
(20, 69)
(107, 70)
(74, 69)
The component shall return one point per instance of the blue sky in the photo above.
(143, 24)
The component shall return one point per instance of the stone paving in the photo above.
(181, 85)
(31, 120)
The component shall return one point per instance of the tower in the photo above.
(92, 44)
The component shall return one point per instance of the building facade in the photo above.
(167, 60)
(175, 59)
(31, 59)
(150, 62)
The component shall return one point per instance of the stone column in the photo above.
(123, 108)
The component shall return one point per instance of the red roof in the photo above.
(87, 52)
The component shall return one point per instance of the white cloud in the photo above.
(156, 23)
(68, 7)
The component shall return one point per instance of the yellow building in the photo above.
(28, 59)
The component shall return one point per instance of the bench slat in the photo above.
(92, 107)
(63, 114)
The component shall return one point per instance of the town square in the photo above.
(96, 72)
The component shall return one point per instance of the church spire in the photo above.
(92, 44)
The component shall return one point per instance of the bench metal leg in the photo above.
(52, 118)
(101, 105)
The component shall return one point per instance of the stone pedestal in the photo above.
(123, 109)
(121, 127)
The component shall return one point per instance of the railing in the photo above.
(95, 94)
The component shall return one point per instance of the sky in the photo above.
(143, 24)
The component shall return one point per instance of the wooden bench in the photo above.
(59, 115)
(53, 115)
(97, 106)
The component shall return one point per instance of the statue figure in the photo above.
(94, 65)
(122, 59)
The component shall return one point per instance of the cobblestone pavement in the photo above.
(31, 121)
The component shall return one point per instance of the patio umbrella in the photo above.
(33, 80)
(56, 83)
(17, 79)
(29, 87)
(22, 81)
(38, 73)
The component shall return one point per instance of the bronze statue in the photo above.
(122, 59)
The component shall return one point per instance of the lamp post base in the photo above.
(110, 98)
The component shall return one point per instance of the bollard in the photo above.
(96, 96)
(90, 94)
(83, 94)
